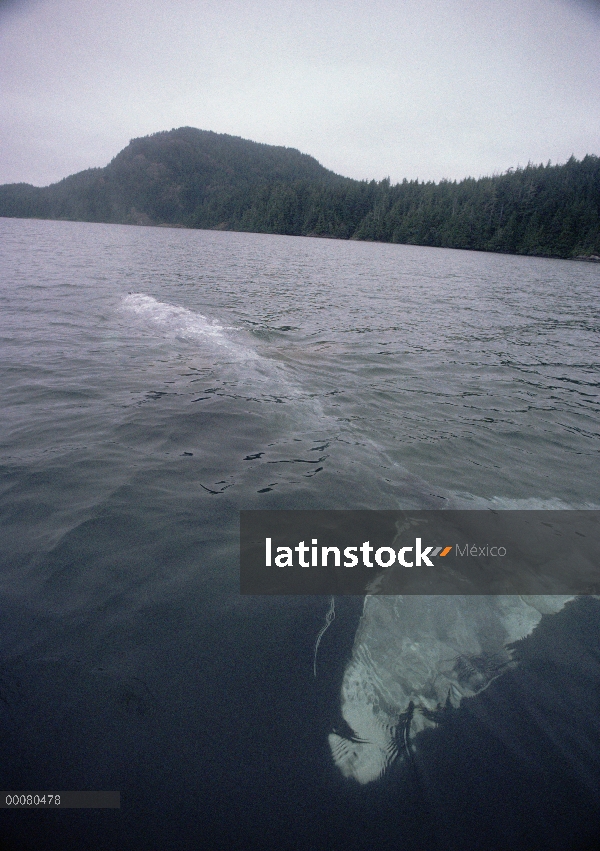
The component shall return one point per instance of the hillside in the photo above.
(185, 176)
(199, 179)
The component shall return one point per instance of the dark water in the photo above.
(154, 382)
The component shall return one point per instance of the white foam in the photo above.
(177, 321)
(244, 369)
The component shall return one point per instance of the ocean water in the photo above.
(156, 381)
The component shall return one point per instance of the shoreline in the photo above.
(592, 258)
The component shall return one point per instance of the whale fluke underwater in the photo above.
(415, 657)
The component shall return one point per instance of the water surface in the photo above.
(155, 382)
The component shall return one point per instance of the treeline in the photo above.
(200, 179)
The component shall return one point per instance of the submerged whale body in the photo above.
(415, 656)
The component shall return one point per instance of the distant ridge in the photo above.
(200, 179)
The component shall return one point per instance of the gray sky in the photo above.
(398, 88)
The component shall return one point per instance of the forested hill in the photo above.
(200, 179)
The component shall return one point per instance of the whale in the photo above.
(415, 657)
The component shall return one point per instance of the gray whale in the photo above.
(416, 655)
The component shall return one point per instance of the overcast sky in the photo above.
(401, 88)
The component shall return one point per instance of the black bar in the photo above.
(420, 552)
(60, 800)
